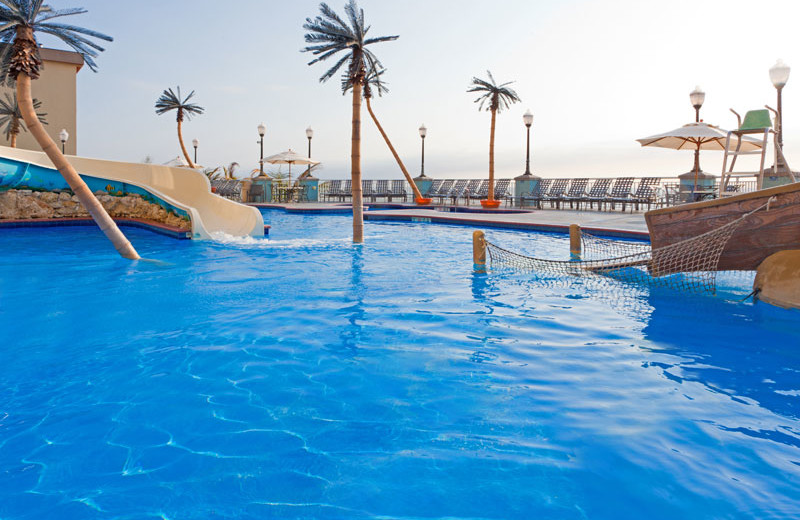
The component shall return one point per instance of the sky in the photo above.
(596, 75)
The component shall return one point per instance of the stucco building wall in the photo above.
(56, 88)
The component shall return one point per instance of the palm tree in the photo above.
(373, 80)
(329, 35)
(20, 63)
(11, 121)
(498, 98)
(169, 100)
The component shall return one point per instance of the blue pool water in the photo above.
(305, 377)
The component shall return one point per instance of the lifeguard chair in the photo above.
(756, 122)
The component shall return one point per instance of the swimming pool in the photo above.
(305, 377)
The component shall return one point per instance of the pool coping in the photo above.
(443, 217)
(150, 225)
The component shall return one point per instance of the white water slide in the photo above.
(184, 188)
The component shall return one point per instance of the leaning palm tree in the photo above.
(20, 63)
(373, 82)
(498, 97)
(329, 35)
(168, 101)
(11, 123)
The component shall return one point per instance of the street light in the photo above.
(697, 97)
(527, 118)
(195, 142)
(779, 75)
(261, 131)
(422, 133)
(64, 136)
(309, 135)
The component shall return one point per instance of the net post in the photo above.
(575, 241)
(479, 251)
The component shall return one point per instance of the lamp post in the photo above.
(64, 136)
(527, 118)
(261, 131)
(697, 97)
(309, 135)
(195, 142)
(422, 133)
(779, 75)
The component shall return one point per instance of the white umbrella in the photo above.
(696, 137)
(289, 157)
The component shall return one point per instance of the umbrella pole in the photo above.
(696, 168)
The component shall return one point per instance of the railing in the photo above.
(669, 191)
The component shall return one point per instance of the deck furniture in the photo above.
(598, 193)
(576, 192)
(432, 189)
(443, 191)
(397, 189)
(347, 190)
(621, 192)
(538, 192)
(472, 188)
(332, 189)
(382, 189)
(481, 192)
(646, 192)
(501, 189)
(366, 190)
(457, 190)
(557, 190)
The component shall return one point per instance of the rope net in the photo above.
(689, 265)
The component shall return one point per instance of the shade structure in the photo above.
(289, 157)
(696, 137)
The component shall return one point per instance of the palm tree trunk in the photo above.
(417, 194)
(183, 148)
(78, 186)
(491, 157)
(355, 166)
(13, 140)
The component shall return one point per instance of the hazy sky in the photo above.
(596, 75)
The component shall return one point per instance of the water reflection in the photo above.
(722, 345)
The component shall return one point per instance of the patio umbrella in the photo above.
(698, 136)
(289, 157)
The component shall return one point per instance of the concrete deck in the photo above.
(605, 223)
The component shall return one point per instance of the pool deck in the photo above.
(604, 223)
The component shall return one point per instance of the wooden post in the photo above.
(479, 251)
(575, 241)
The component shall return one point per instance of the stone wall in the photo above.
(27, 204)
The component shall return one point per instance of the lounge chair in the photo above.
(444, 190)
(472, 188)
(432, 189)
(332, 189)
(482, 192)
(501, 189)
(366, 190)
(646, 192)
(457, 190)
(556, 192)
(346, 191)
(538, 192)
(598, 193)
(577, 190)
(382, 189)
(398, 189)
(621, 192)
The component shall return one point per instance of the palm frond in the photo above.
(329, 34)
(498, 97)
